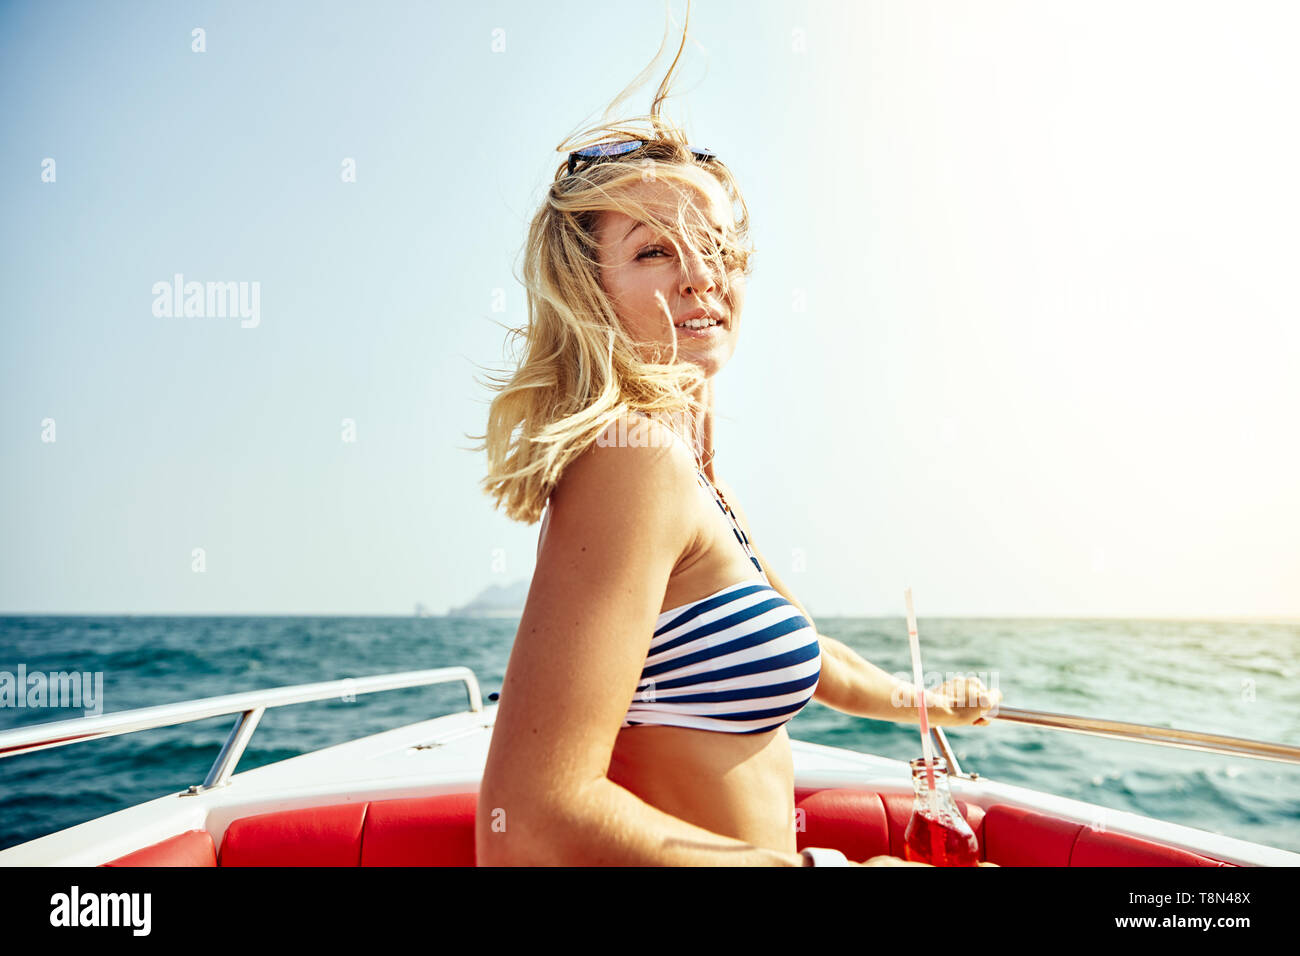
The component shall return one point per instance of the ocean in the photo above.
(1227, 677)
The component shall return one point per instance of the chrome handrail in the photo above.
(250, 705)
(945, 750)
(1142, 733)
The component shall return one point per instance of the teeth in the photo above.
(698, 323)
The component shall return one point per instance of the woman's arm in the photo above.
(616, 531)
(852, 684)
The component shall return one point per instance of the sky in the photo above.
(1022, 333)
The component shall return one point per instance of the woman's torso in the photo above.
(736, 784)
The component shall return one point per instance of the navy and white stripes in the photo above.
(743, 660)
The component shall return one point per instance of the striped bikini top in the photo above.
(742, 660)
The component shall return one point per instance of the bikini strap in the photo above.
(735, 525)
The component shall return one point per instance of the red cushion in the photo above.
(191, 848)
(423, 831)
(851, 821)
(310, 836)
(1018, 837)
(1099, 848)
(439, 831)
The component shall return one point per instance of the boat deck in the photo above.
(447, 755)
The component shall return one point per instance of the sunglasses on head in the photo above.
(600, 151)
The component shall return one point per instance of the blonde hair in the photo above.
(581, 372)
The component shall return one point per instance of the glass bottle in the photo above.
(937, 833)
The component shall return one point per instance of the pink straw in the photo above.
(920, 688)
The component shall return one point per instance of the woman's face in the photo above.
(639, 265)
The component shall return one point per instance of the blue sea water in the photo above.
(1226, 677)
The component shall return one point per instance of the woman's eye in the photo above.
(716, 249)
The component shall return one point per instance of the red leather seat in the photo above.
(439, 831)
(424, 831)
(310, 836)
(1017, 837)
(191, 848)
(418, 831)
(1096, 848)
(851, 821)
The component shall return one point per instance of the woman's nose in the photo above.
(698, 275)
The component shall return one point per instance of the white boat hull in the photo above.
(447, 755)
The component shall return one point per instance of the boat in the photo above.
(408, 796)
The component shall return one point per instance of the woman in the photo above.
(658, 658)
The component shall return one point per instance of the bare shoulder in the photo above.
(635, 456)
(629, 484)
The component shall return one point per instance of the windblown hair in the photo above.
(581, 371)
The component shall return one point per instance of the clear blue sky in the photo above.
(1022, 334)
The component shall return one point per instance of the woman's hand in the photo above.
(960, 702)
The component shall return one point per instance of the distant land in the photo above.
(497, 600)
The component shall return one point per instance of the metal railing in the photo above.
(250, 705)
(1120, 730)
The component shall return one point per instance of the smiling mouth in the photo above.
(699, 324)
(699, 319)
